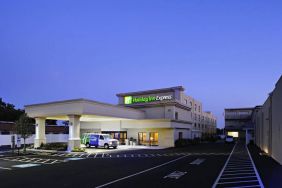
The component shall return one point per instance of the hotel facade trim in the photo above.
(152, 117)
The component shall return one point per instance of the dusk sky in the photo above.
(225, 53)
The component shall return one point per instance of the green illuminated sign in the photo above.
(128, 100)
(132, 100)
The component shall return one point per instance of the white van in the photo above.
(99, 140)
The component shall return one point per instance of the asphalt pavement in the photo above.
(193, 166)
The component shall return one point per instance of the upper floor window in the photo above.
(176, 115)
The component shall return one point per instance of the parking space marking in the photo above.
(141, 172)
(232, 174)
(5, 168)
(175, 175)
(197, 161)
(46, 161)
(26, 165)
(32, 160)
(230, 182)
(240, 177)
(239, 170)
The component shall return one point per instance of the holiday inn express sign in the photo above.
(146, 99)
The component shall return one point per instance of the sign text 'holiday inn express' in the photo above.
(146, 99)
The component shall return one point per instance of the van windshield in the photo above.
(106, 136)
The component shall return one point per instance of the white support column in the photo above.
(74, 132)
(39, 132)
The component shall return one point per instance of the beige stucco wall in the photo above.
(277, 122)
(183, 115)
(268, 124)
(154, 112)
(265, 125)
(166, 136)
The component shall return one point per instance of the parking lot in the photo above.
(196, 166)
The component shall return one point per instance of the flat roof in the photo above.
(83, 107)
(79, 100)
(169, 89)
(234, 109)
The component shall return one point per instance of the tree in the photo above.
(8, 112)
(24, 127)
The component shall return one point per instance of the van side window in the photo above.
(101, 137)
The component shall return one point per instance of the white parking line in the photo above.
(141, 172)
(257, 174)
(36, 161)
(221, 172)
(197, 161)
(233, 168)
(4, 168)
(46, 161)
(245, 186)
(239, 177)
(230, 182)
(232, 174)
(53, 161)
(238, 170)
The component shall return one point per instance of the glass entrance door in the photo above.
(142, 138)
(154, 138)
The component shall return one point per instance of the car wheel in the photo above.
(115, 147)
(87, 145)
(106, 146)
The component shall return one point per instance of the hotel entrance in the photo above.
(142, 138)
(152, 140)
(119, 135)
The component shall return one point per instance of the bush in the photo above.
(186, 142)
(54, 146)
(78, 150)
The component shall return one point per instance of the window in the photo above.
(186, 102)
(101, 137)
(142, 138)
(154, 138)
(180, 135)
(176, 115)
(195, 107)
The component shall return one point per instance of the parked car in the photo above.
(229, 139)
(99, 140)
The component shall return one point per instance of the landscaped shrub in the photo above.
(78, 150)
(54, 146)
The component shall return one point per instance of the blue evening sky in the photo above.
(225, 53)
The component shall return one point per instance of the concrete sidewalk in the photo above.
(122, 148)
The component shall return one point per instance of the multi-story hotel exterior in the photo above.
(155, 117)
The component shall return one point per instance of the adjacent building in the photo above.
(238, 123)
(268, 123)
(152, 117)
(264, 123)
